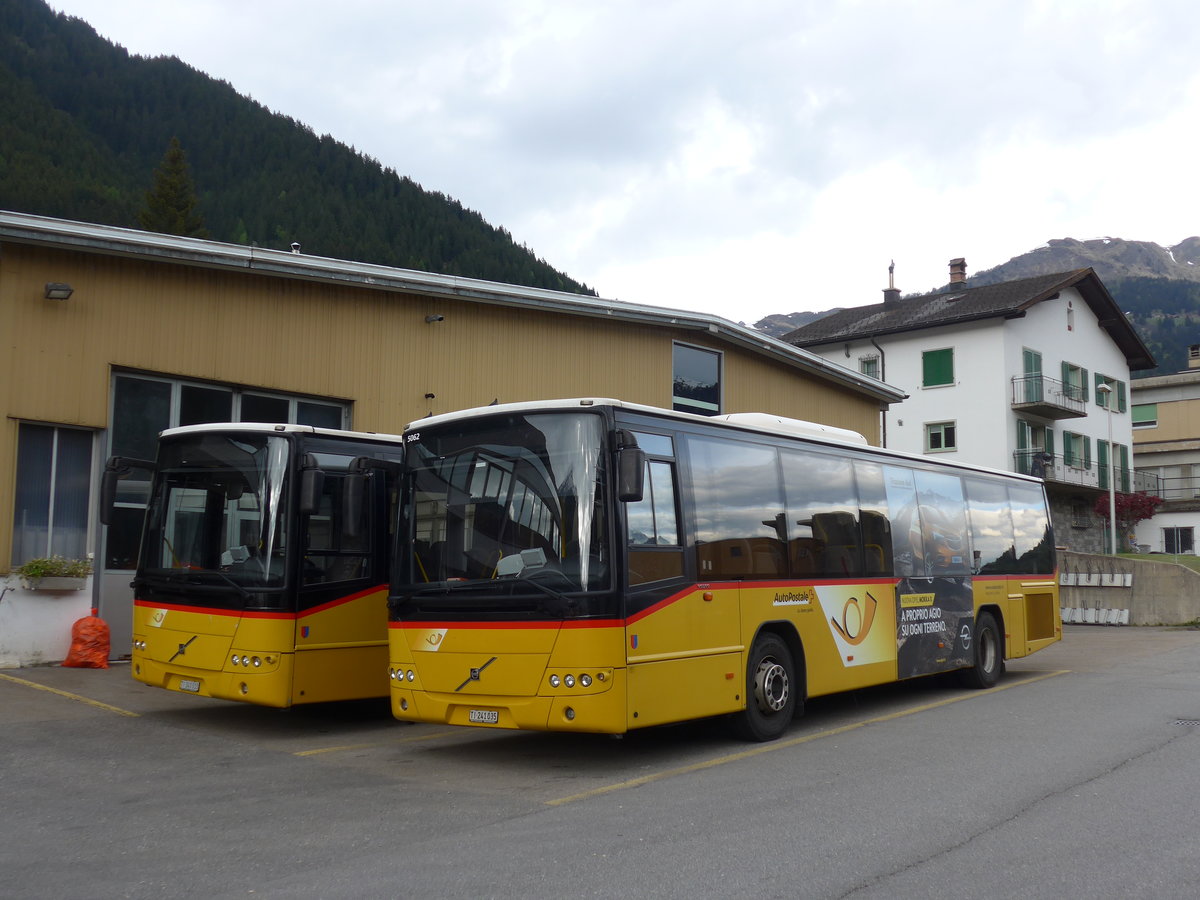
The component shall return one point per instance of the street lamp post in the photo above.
(1106, 390)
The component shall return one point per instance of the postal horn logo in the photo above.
(857, 619)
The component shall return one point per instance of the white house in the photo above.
(1030, 375)
(1166, 445)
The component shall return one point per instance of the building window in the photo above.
(940, 436)
(1070, 316)
(1145, 415)
(937, 367)
(696, 380)
(1178, 540)
(869, 366)
(1081, 516)
(144, 405)
(1075, 383)
(1116, 390)
(1077, 450)
(54, 470)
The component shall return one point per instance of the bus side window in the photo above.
(994, 548)
(739, 526)
(331, 551)
(652, 528)
(822, 516)
(873, 517)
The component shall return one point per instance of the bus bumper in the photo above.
(599, 712)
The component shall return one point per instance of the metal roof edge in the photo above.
(115, 240)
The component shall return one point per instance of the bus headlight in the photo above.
(585, 680)
(412, 676)
(554, 682)
(569, 681)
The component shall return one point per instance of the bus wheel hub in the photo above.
(771, 686)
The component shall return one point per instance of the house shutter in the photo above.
(1120, 396)
(937, 367)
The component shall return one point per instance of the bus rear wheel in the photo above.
(770, 691)
(988, 654)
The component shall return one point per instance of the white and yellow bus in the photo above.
(260, 577)
(598, 566)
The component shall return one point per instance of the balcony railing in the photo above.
(1047, 397)
(1178, 487)
(1057, 469)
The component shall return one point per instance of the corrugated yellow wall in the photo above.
(1178, 420)
(369, 347)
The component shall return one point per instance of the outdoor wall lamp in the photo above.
(58, 290)
(429, 320)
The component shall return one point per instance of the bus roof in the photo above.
(268, 428)
(763, 423)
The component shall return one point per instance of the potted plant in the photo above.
(54, 573)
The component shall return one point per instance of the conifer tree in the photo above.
(170, 206)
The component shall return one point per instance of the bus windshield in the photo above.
(507, 504)
(217, 513)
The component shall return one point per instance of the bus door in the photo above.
(683, 639)
(341, 620)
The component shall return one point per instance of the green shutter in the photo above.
(1145, 413)
(1120, 396)
(1083, 382)
(937, 367)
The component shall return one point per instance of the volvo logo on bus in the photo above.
(475, 674)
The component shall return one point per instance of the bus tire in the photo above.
(770, 690)
(988, 652)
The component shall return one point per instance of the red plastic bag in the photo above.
(89, 643)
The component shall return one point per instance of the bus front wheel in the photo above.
(988, 654)
(770, 691)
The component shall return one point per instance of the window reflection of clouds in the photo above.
(816, 484)
(736, 489)
(991, 526)
(943, 523)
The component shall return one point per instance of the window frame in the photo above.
(697, 407)
(56, 487)
(941, 428)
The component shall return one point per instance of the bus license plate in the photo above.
(187, 684)
(484, 716)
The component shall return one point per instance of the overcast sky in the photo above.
(738, 159)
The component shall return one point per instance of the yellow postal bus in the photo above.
(260, 577)
(598, 566)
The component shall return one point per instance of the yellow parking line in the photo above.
(408, 740)
(70, 696)
(793, 742)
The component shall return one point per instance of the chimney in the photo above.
(891, 294)
(958, 270)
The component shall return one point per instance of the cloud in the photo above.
(742, 160)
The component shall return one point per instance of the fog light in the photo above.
(404, 703)
(554, 682)
(244, 688)
(570, 714)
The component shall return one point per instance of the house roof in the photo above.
(961, 303)
(110, 240)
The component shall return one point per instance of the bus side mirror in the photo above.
(354, 495)
(312, 483)
(631, 474)
(113, 470)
